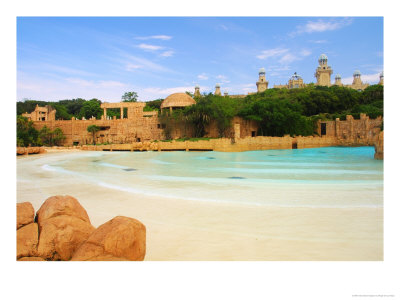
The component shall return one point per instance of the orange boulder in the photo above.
(121, 238)
(61, 235)
(25, 214)
(61, 205)
(27, 240)
(31, 258)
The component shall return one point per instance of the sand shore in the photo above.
(193, 230)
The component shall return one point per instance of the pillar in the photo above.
(337, 127)
(105, 113)
(122, 112)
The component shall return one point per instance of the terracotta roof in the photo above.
(177, 99)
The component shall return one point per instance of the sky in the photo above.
(104, 57)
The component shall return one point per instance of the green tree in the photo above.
(27, 135)
(46, 136)
(222, 110)
(58, 136)
(129, 97)
(91, 108)
(93, 129)
(153, 105)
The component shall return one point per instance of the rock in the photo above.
(31, 258)
(20, 150)
(61, 205)
(27, 240)
(61, 235)
(25, 214)
(121, 238)
(379, 147)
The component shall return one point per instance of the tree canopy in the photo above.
(129, 97)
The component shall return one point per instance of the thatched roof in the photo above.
(177, 100)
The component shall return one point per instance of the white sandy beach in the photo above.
(194, 230)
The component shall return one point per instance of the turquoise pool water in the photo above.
(319, 177)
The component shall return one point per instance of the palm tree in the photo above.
(93, 129)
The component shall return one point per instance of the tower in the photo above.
(225, 93)
(217, 90)
(323, 72)
(338, 80)
(197, 91)
(381, 78)
(296, 82)
(357, 83)
(357, 77)
(262, 83)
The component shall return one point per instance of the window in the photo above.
(323, 128)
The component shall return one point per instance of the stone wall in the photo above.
(224, 144)
(351, 131)
(146, 126)
(143, 128)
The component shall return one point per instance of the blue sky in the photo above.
(94, 57)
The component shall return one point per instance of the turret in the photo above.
(323, 72)
(197, 91)
(262, 83)
(217, 90)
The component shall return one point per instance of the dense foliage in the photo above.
(27, 135)
(93, 129)
(129, 97)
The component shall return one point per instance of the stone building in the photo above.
(323, 72)
(217, 90)
(294, 82)
(262, 83)
(197, 91)
(362, 131)
(338, 80)
(46, 113)
(381, 78)
(176, 101)
(357, 83)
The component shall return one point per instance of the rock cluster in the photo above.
(30, 150)
(62, 230)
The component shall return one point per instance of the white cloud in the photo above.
(305, 52)
(272, 53)
(148, 47)
(288, 58)
(133, 62)
(156, 37)
(283, 55)
(202, 76)
(222, 79)
(167, 53)
(322, 25)
(155, 92)
(131, 67)
(319, 41)
(51, 90)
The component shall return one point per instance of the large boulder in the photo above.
(27, 240)
(61, 235)
(25, 214)
(61, 206)
(31, 258)
(121, 238)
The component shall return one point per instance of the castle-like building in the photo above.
(294, 82)
(323, 75)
